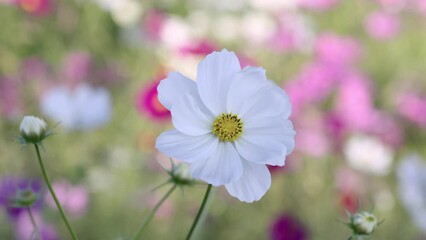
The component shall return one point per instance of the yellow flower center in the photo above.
(228, 127)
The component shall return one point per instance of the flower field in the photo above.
(313, 111)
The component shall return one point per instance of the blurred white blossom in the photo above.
(412, 181)
(82, 108)
(368, 154)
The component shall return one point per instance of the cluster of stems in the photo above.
(141, 228)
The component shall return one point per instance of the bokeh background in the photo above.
(354, 70)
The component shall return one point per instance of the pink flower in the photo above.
(312, 85)
(36, 7)
(10, 100)
(311, 135)
(34, 69)
(154, 22)
(74, 199)
(421, 6)
(319, 5)
(412, 106)
(293, 33)
(148, 104)
(337, 50)
(77, 67)
(382, 25)
(392, 5)
(201, 47)
(24, 228)
(166, 210)
(354, 102)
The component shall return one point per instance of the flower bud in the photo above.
(33, 129)
(364, 223)
(180, 174)
(25, 198)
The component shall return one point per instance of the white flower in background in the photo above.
(175, 33)
(33, 129)
(368, 154)
(364, 223)
(274, 5)
(226, 27)
(412, 188)
(124, 12)
(82, 108)
(257, 27)
(127, 13)
(229, 124)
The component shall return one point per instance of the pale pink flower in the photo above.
(312, 138)
(319, 5)
(412, 106)
(393, 5)
(77, 67)
(10, 100)
(73, 198)
(382, 25)
(337, 50)
(24, 228)
(354, 102)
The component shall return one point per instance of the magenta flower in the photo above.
(382, 25)
(148, 104)
(337, 50)
(287, 227)
(37, 7)
(201, 47)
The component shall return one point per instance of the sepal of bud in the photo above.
(25, 198)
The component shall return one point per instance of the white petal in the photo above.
(271, 101)
(214, 74)
(189, 115)
(244, 85)
(172, 87)
(253, 184)
(267, 141)
(186, 148)
(223, 167)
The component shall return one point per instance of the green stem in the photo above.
(34, 224)
(52, 192)
(151, 214)
(200, 211)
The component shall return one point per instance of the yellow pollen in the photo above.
(228, 127)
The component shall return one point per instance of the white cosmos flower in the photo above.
(229, 124)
